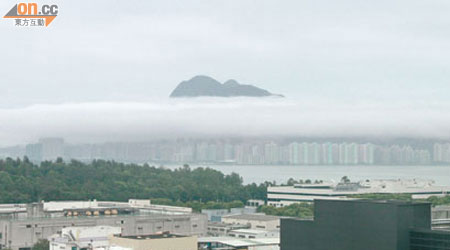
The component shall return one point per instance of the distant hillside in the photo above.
(208, 86)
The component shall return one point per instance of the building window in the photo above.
(28, 226)
(177, 226)
(195, 225)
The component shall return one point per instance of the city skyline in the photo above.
(243, 151)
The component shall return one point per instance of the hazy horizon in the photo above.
(209, 117)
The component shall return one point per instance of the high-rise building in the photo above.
(362, 224)
(294, 153)
(229, 152)
(271, 153)
(47, 149)
(34, 152)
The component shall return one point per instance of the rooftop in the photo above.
(259, 217)
(86, 208)
(406, 186)
(391, 202)
(225, 225)
(164, 235)
(237, 242)
(251, 231)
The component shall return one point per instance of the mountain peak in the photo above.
(231, 82)
(202, 85)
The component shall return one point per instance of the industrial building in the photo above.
(160, 241)
(22, 225)
(83, 238)
(253, 233)
(279, 196)
(215, 215)
(364, 224)
(222, 229)
(110, 238)
(231, 243)
(254, 221)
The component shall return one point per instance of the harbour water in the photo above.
(280, 174)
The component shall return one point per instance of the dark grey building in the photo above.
(425, 239)
(356, 225)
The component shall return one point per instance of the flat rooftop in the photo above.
(252, 231)
(401, 186)
(225, 225)
(90, 207)
(152, 236)
(259, 217)
(390, 202)
(238, 242)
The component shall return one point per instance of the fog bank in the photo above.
(199, 117)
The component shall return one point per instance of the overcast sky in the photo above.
(347, 51)
(136, 50)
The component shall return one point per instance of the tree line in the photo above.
(21, 181)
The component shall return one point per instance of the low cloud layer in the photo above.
(168, 118)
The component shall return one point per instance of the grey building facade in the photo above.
(21, 228)
(425, 239)
(356, 225)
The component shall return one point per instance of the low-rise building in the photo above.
(254, 234)
(231, 243)
(254, 221)
(22, 225)
(222, 229)
(255, 203)
(279, 196)
(75, 238)
(215, 215)
(161, 241)
(440, 212)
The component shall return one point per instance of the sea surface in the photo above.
(280, 174)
